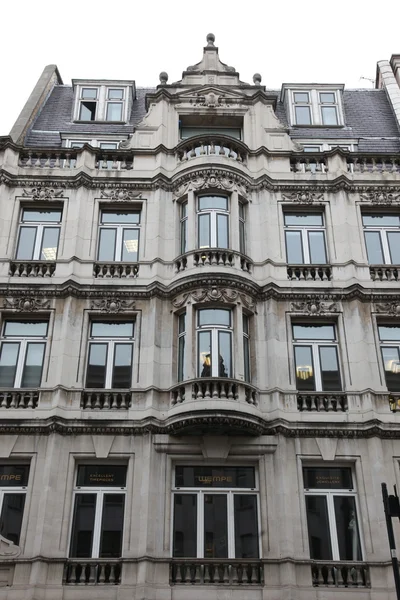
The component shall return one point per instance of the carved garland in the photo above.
(26, 303)
(214, 294)
(391, 309)
(303, 196)
(315, 305)
(113, 304)
(43, 193)
(211, 178)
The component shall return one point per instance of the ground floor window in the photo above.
(13, 482)
(215, 512)
(331, 506)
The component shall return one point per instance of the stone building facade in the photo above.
(200, 337)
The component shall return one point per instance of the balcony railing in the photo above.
(373, 164)
(19, 398)
(217, 388)
(322, 402)
(308, 164)
(92, 572)
(309, 272)
(340, 574)
(111, 160)
(214, 257)
(32, 268)
(211, 145)
(207, 571)
(384, 273)
(106, 399)
(115, 270)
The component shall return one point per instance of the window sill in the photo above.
(294, 126)
(101, 122)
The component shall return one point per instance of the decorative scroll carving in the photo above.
(381, 196)
(315, 305)
(43, 193)
(211, 178)
(121, 195)
(8, 549)
(26, 303)
(112, 304)
(389, 308)
(303, 196)
(214, 294)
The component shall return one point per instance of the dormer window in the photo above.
(302, 108)
(102, 101)
(115, 104)
(313, 106)
(327, 101)
(88, 104)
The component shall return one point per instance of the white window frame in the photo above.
(394, 343)
(329, 104)
(330, 494)
(183, 227)
(102, 101)
(40, 226)
(214, 330)
(302, 104)
(315, 344)
(315, 105)
(311, 146)
(182, 351)
(229, 492)
(20, 490)
(304, 230)
(23, 342)
(383, 231)
(119, 232)
(213, 212)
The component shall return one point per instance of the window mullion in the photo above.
(21, 362)
(97, 524)
(200, 525)
(332, 527)
(213, 229)
(385, 247)
(317, 367)
(38, 241)
(231, 525)
(118, 243)
(214, 352)
(306, 249)
(110, 362)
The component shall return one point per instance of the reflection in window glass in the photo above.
(303, 115)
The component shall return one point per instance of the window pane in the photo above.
(347, 528)
(394, 246)
(88, 111)
(89, 93)
(107, 245)
(112, 526)
(96, 371)
(185, 526)
(316, 241)
(181, 358)
(391, 362)
(32, 373)
(389, 332)
(242, 245)
(115, 94)
(214, 476)
(217, 202)
(120, 217)
(101, 475)
(114, 111)
(305, 379)
(112, 330)
(12, 475)
(183, 236)
(294, 247)
(314, 332)
(11, 516)
(214, 316)
(205, 357)
(328, 478)
(182, 323)
(246, 358)
(225, 354)
(83, 526)
(204, 231)
(109, 145)
(329, 115)
(327, 98)
(303, 219)
(42, 216)
(318, 528)
(8, 364)
(300, 96)
(222, 231)
(374, 247)
(246, 526)
(381, 220)
(215, 526)
(26, 243)
(122, 372)
(50, 243)
(130, 245)
(303, 115)
(311, 149)
(25, 328)
(330, 375)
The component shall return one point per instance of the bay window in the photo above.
(214, 342)
(22, 353)
(110, 355)
(213, 222)
(389, 336)
(13, 482)
(316, 358)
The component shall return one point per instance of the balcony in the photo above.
(322, 402)
(95, 571)
(69, 158)
(106, 399)
(32, 268)
(19, 398)
(309, 163)
(212, 145)
(340, 574)
(384, 273)
(115, 270)
(214, 257)
(309, 272)
(373, 164)
(207, 571)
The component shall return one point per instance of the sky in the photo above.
(288, 41)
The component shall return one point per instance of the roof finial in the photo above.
(210, 39)
(257, 79)
(163, 77)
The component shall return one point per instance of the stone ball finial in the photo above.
(163, 77)
(210, 39)
(257, 78)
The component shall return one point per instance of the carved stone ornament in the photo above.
(303, 196)
(211, 178)
(43, 193)
(389, 308)
(8, 549)
(121, 195)
(381, 196)
(315, 305)
(26, 303)
(112, 305)
(214, 294)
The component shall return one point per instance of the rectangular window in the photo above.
(382, 238)
(389, 336)
(302, 108)
(88, 104)
(119, 236)
(115, 104)
(110, 355)
(328, 107)
(184, 226)
(246, 347)
(213, 222)
(39, 232)
(101, 103)
(98, 517)
(214, 342)
(181, 346)
(13, 482)
(242, 228)
(305, 238)
(22, 351)
(330, 497)
(215, 512)
(316, 358)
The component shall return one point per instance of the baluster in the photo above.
(208, 390)
(107, 400)
(200, 392)
(124, 271)
(214, 258)
(215, 390)
(309, 272)
(97, 399)
(202, 150)
(107, 271)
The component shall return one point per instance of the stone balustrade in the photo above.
(340, 574)
(214, 257)
(216, 571)
(384, 273)
(214, 388)
(32, 268)
(19, 398)
(114, 160)
(373, 164)
(211, 145)
(106, 399)
(115, 270)
(309, 272)
(308, 163)
(67, 158)
(92, 572)
(322, 401)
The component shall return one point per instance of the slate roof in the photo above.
(368, 117)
